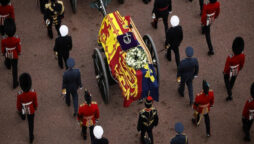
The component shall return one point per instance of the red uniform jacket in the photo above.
(234, 63)
(210, 8)
(203, 101)
(6, 12)
(28, 101)
(248, 111)
(11, 45)
(88, 114)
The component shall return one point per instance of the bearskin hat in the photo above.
(238, 45)
(88, 97)
(213, 1)
(149, 102)
(252, 90)
(9, 27)
(205, 87)
(179, 127)
(25, 82)
(4, 2)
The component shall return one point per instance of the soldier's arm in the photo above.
(64, 82)
(97, 113)
(19, 103)
(79, 79)
(70, 43)
(139, 122)
(226, 67)
(217, 11)
(242, 62)
(169, 5)
(154, 6)
(56, 45)
(12, 15)
(179, 70)
(18, 46)
(196, 67)
(35, 101)
(156, 119)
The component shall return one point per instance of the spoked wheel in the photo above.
(74, 5)
(101, 74)
(152, 49)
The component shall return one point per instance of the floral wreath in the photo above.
(136, 58)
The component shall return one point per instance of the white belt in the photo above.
(26, 104)
(4, 16)
(212, 14)
(9, 49)
(233, 67)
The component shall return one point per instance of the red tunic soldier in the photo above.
(6, 11)
(248, 114)
(203, 101)
(234, 64)
(11, 49)
(88, 114)
(210, 12)
(27, 102)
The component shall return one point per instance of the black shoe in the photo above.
(194, 121)
(210, 53)
(247, 139)
(68, 104)
(75, 114)
(31, 140)
(208, 135)
(190, 0)
(229, 98)
(154, 25)
(191, 103)
(181, 93)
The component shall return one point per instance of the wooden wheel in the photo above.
(152, 49)
(101, 74)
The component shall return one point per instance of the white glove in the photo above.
(195, 76)
(153, 16)
(170, 12)
(47, 22)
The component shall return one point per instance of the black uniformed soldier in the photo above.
(148, 118)
(53, 14)
(174, 37)
(179, 138)
(161, 9)
(63, 45)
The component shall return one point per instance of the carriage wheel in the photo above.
(101, 74)
(74, 5)
(152, 49)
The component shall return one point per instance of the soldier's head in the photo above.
(252, 90)
(88, 97)
(149, 102)
(25, 82)
(70, 63)
(189, 51)
(238, 45)
(9, 27)
(179, 127)
(205, 87)
(174, 20)
(4, 2)
(98, 132)
(213, 1)
(63, 30)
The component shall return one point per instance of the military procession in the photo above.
(125, 65)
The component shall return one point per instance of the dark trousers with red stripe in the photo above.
(229, 82)
(30, 119)
(12, 63)
(84, 133)
(246, 127)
